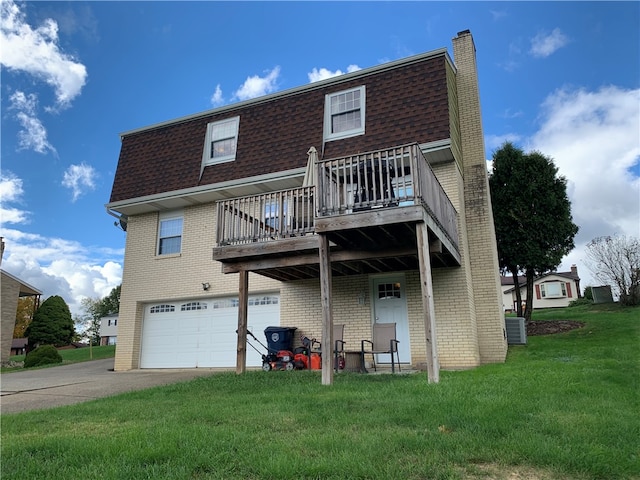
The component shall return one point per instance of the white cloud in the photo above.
(79, 178)
(497, 14)
(10, 187)
(217, 98)
(256, 86)
(36, 52)
(33, 135)
(544, 44)
(594, 140)
(62, 267)
(493, 142)
(11, 191)
(323, 73)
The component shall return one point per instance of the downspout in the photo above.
(122, 219)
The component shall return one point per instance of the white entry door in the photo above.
(390, 306)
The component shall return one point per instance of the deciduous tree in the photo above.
(96, 308)
(532, 216)
(24, 313)
(615, 260)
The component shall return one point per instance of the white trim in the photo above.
(208, 157)
(164, 216)
(224, 188)
(329, 135)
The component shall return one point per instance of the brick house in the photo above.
(11, 290)
(358, 199)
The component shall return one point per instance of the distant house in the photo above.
(358, 199)
(109, 330)
(554, 289)
(11, 289)
(19, 346)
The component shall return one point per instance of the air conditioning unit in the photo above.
(516, 330)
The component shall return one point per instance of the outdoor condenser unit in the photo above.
(516, 330)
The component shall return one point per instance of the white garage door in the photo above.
(203, 333)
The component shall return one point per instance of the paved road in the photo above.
(80, 382)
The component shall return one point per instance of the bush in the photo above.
(43, 355)
(580, 301)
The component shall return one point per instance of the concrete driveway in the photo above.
(80, 382)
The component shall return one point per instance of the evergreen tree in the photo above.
(532, 216)
(51, 325)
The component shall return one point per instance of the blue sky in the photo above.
(559, 77)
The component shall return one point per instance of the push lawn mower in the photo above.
(274, 359)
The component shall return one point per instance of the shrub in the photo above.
(43, 355)
(580, 301)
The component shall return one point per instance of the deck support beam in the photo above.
(327, 311)
(243, 309)
(428, 308)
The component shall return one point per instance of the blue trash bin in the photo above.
(279, 338)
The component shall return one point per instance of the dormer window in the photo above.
(344, 113)
(221, 141)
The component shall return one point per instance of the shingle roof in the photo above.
(522, 280)
(405, 104)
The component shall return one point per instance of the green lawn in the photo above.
(73, 355)
(563, 407)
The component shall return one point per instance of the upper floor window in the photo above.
(221, 141)
(170, 233)
(344, 113)
(553, 289)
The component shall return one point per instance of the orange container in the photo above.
(316, 362)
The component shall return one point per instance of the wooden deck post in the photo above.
(327, 312)
(426, 282)
(243, 302)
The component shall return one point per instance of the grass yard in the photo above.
(563, 407)
(72, 355)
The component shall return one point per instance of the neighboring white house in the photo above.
(555, 289)
(109, 330)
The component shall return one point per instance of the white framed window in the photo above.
(344, 113)
(170, 233)
(553, 290)
(389, 290)
(185, 307)
(221, 141)
(268, 300)
(163, 308)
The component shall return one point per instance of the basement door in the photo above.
(389, 306)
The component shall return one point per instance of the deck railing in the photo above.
(394, 177)
(265, 217)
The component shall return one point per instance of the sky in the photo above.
(562, 78)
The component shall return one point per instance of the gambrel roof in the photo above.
(407, 101)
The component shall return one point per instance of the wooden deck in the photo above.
(368, 206)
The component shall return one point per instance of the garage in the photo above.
(202, 333)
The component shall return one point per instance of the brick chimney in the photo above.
(574, 270)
